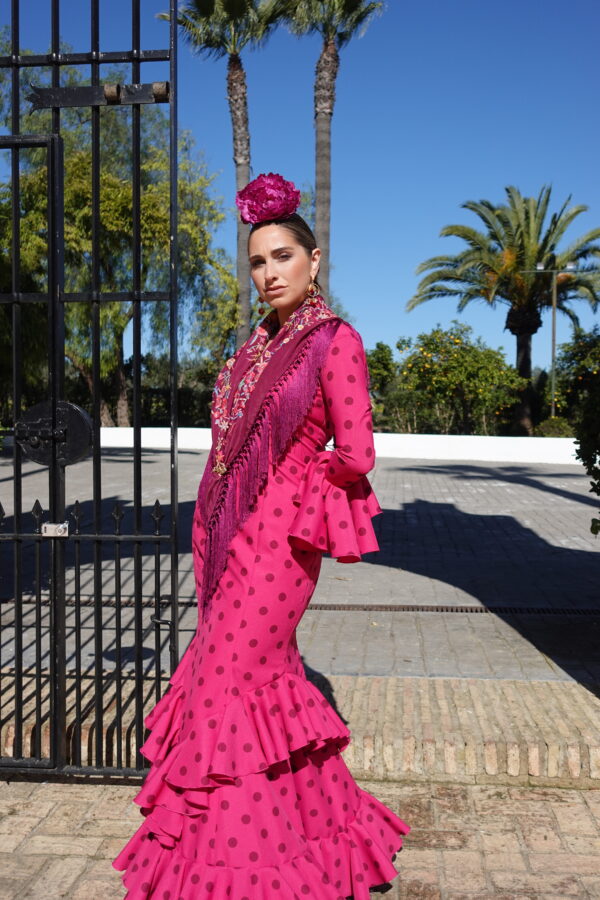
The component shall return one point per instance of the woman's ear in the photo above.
(315, 259)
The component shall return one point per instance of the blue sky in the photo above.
(440, 102)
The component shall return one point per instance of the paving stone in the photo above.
(56, 879)
(60, 845)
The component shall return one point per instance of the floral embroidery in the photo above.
(311, 310)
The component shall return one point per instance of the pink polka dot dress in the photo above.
(248, 796)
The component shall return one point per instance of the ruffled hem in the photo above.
(255, 730)
(344, 864)
(336, 520)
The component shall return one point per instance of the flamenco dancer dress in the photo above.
(248, 797)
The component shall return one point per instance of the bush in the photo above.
(555, 426)
(579, 370)
(446, 383)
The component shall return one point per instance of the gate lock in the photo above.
(55, 529)
(72, 433)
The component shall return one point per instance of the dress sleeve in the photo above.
(336, 501)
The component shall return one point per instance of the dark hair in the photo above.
(298, 227)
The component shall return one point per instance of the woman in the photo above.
(248, 797)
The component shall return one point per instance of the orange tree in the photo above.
(578, 368)
(445, 383)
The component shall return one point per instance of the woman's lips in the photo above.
(274, 290)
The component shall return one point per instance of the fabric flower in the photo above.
(267, 197)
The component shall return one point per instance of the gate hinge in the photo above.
(55, 529)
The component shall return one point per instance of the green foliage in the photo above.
(499, 263)
(202, 268)
(554, 426)
(219, 28)
(334, 20)
(446, 383)
(578, 369)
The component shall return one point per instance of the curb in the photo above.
(462, 730)
(469, 730)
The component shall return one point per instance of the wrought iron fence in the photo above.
(64, 710)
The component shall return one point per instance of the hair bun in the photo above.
(267, 197)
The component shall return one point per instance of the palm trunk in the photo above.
(523, 321)
(325, 77)
(523, 417)
(237, 96)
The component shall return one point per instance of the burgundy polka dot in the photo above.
(277, 511)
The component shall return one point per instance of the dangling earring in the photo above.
(312, 291)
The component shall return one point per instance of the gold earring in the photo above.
(312, 290)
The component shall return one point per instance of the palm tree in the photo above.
(499, 265)
(217, 28)
(337, 21)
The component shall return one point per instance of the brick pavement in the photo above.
(468, 842)
(521, 686)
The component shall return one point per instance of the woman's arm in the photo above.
(344, 385)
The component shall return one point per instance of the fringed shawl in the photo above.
(273, 410)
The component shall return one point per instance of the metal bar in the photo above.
(37, 750)
(174, 287)
(108, 538)
(98, 95)
(137, 353)
(75, 755)
(85, 297)
(96, 478)
(56, 472)
(23, 140)
(17, 382)
(55, 54)
(118, 648)
(73, 59)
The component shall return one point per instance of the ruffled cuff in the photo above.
(336, 520)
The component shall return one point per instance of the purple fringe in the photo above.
(283, 411)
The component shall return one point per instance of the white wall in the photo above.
(560, 451)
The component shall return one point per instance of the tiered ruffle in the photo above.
(173, 854)
(332, 868)
(255, 730)
(336, 520)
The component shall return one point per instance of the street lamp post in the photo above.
(569, 269)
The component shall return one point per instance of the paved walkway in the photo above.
(467, 843)
(473, 702)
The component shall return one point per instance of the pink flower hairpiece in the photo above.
(267, 197)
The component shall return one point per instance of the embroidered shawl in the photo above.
(259, 402)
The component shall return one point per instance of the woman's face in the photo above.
(281, 268)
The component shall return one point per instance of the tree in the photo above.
(218, 28)
(578, 369)
(200, 265)
(337, 22)
(499, 266)
(445, 383)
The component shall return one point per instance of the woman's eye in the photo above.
(283, 256)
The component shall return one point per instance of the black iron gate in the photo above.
(88, 583)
